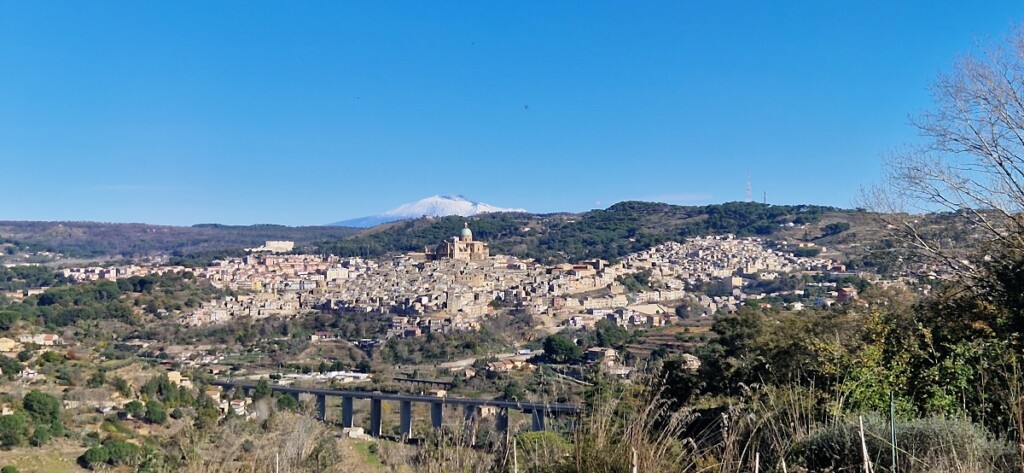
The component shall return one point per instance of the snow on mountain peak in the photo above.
(433, 206)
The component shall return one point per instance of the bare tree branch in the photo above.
(971, 166)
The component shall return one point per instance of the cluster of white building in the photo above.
(443, 293)
(721, 257)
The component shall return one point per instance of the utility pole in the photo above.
(892, 428)
(515, 457)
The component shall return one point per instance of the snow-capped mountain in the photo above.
(434, 206)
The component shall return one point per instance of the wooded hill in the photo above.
(91, 239)
(608, 234)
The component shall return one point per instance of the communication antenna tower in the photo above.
(750, 196)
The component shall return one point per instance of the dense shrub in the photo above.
(94, 457)
(135, 409)
(41, 435)
(156, 413)
(121, 452)
(10, 367)
(12, 429)
(42, 407)
(928, 444)
(287, 402)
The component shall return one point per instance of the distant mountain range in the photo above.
(857, 237)
(434, 206)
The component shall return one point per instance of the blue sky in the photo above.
(311, 112)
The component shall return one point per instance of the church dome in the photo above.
(467, 234)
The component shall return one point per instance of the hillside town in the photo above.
(454, 286)
(538, 237)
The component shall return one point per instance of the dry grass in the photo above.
(782, 428)
(288, 441)
(789, 426)
(59, 457)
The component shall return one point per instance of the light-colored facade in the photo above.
(274, 247)
(462, 248)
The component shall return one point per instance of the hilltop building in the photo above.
(461, 247)
(274, 247)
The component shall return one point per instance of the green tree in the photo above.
(560, 349)
(121, 453)
(689, 309)
(835, 228)
(10, 367)
(161, 387)
(51, 357)
(286, 402)
(121, 386)
(513, 392)
(206, 416)
(9, 469)
(607, 334)
(12, 429)
(681, 385)
(262, 389)
(42, 407)
(732, 359)
(41, 435)
(97, 379)
(152, 461)
(135, 409)
(156, 413)
(94, 457)
(8, 318)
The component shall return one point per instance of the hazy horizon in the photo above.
(381, 213)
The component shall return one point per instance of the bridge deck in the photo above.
(554, 408)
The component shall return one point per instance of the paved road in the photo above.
(500, 356)
(469, 361)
